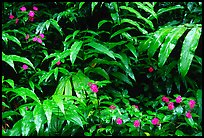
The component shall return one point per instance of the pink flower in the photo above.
(26, 108)
(25, 67)
(112, 107)
(39, 40)
(119, 121)
(150, 69)
(31, 14)
(58, 63)
(27, 36)
(188, 115)
(165, 99)
(42, 35)
(31, 18)
(155, 121)
(23, 9)
(178, 99)
(35, 8)
(192, 103)
(136, 123)
(11, 16)
(17, 20)
(94, 88)
(136, 106)
(35, 39)
(171, 106)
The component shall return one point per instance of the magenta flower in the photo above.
(17, 20)
(23, 9)
(136, 106)
(136, 123)
(31, 18)
(11, 16)
(58, 63)
(25, 67)
(35, 39)
(178, 99)
(31, 14)
(39, 40)
(165, 99)
(35, 8)
(94, 88)
(188, 115)
(27, 36)
(155, 121)
(42, 35)
(192, 103)
(150, 69)
(171, 106)
(119, 121)
(26, 108)
(112, 107)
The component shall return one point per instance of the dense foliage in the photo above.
(101, 69)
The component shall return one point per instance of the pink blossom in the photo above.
(42, 35)
(178, 99)
(26, 108)
(136, 106)
(112, 107)
(188, 115)
(136, 123)
(35, 39)
(58, 63)
(39, 40)
(31, 13)
(171, 106)
(11, 16)
(119, 121)
(23, 9)
(35, 8)
(150, 69)
(155, 121)
(27, 36)
(94, 88)
(31, 18)
(17, 20)
(192, 103)
(165, 99)
(25, 67)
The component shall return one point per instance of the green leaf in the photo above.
(158, 38)
(142, 30)
(39, 116)
(16, 130)
(45, 76)
(167, 118)
(179, 110)
(102, 22)
(10, 82)
(58, 100)
(32, 85)
(21, 59)
(47, 24)
(10, 37)
(68, 87)
(122, 77)
(188, 49)
(56, 25)
(132, 48)
(120, 31)
(199, 99)
(163, 10)
(74, 50)
(8, 60)
(93, 5)
(169, 44)
(179, 133)
(74, 34)
(47, 106)
(97, 70)
(81, 4)
(27, 126)
(144, 45)
(9, 113)
(56, 72)
(74, 117)
(102, 49)
(190, 122)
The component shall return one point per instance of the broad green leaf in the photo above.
(179, 110)
(120, 31)
(190, 121)
(144, 45)
(122, 77)
(93, 5)
(47, 106)
(74, 50)
(81, 4)
(68, 87)
(75, 33)
(58, 100)
(169, 44)
(56, 25)
(26, 92)
(27, 126)
(179, 133)
(158, 38)
(16, 130)
(10, 37)
(21, 59)
(132, 48)
(102, 49)
(39, 117)
(60, 87)
(97, 70)
(73, 116)
(199, 99)
(64, 71)
(40, 28)
(167, 118)
(45, 76)
(102, 22)
(89, 31)
(147, 9)
(16, 31)
(4, 104)
(10, 82)
(188, 49)
(162, 10)
(114, 44)
(8, 113)
(142, 30)
(8, 60)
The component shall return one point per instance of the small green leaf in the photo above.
(81, 4)
(179, 133)
(58, 100)
(102, 22)
(93, 5)
(56, 72)
(74, 50)
(9, 113)
(120, 31)
(47, 106)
